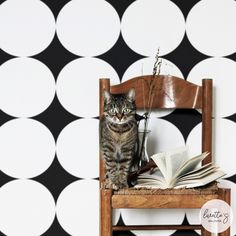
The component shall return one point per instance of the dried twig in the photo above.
(151, 93)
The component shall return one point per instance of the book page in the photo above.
(198, 169)
(174, 160)
(189, 165)
(201, 181)
(170, 161)
(155, 180)
(160, 161)
(200, 174)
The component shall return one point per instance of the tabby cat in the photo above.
(119, 134)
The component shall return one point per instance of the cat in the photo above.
(119, 134)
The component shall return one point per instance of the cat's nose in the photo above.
(120, 116)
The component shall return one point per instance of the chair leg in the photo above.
(105, 212)
(225, 233)
(204, 232)
(225, 196)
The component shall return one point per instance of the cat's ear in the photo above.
(131, 95)
(107, 96)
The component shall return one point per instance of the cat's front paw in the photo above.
(123, 185)
(105, 183)
(114, 186)
(110, 185)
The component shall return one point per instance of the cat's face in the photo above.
(119, 108)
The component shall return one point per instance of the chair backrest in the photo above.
(168, 92)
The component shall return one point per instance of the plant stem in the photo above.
(151, 93)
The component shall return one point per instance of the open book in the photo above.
(177, 170)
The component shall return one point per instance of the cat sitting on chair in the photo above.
(119, 132)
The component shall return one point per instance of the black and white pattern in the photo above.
(52, 54)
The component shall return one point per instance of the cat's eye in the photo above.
(113, 111)
(126, 110)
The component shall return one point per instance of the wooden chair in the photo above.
(170, 92)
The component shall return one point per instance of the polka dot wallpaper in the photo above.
(52, 54)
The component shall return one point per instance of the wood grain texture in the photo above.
(225, 195)
(156, 227)
(104, 84)
(207, 119)
(169, 92)
(204, 232)
(160, 201)
(105, 212)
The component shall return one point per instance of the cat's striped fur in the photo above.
(118, 130)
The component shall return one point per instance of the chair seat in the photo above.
(211, 188)
(168, 198)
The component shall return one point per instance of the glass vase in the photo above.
(143, 154)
